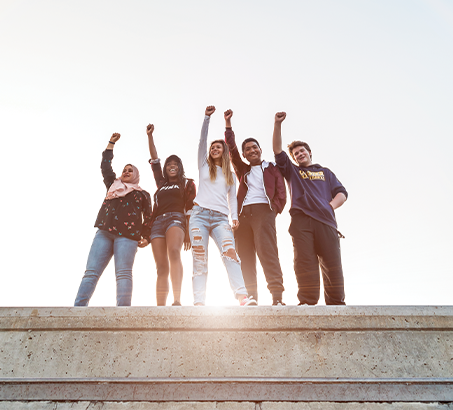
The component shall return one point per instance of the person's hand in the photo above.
(187, 244)
(115, 137)
(228, 114)
(150, 130)
(142, 243)
(210, 109)
(235, 224)
(280, 116)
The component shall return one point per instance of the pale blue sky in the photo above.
(367, 84)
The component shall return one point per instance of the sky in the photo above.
(368, 84)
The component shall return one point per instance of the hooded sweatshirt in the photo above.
(311, 189)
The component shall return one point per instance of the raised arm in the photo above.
(202, 146)
(277, 137)
(230, 139)
(114, 138)
(106, 164)
(152, 147)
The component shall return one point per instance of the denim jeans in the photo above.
(204, 223)
(104, 246)
(164, 222)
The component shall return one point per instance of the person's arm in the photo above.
(339, 200)
(202, 146)
(280, 190)
(190, 192)
(106, 164)
(152, 147)
(155, 162)
(277, 137)
(147, 220)
(233, 204)
(238, 164)
(114, 138)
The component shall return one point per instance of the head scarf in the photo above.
(119, 188)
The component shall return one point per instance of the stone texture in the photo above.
(354, 406)
(361, 342)
(84, 405)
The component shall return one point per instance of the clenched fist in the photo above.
(210, 109)
(280, 116)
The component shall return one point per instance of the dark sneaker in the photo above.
(248, 301)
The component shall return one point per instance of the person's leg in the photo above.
(175, 239)
(265, 238)
(199, 238)
(124, 250)
(306, 264)
(223, 236)
(99, 257)
(245, 247)
(327, 245)
(159, 246)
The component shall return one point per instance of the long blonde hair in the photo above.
(226, 169)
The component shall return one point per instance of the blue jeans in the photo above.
(104, 246)
(204, 223)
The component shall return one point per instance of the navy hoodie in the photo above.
(311, 189)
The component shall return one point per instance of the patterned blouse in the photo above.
(128, 216)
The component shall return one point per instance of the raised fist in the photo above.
(280, 116)
(150, 129)
(210, 109)
(228, 114)
(115, 137)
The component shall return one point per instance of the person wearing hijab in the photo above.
(124, 223)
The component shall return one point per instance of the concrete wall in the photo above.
(228, 354)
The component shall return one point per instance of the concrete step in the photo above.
(231, 354)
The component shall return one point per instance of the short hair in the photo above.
(249, 140)
(295, 144)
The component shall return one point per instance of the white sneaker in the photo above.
(248, 301)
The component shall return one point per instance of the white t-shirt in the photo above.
(216, 195)
(255, 183)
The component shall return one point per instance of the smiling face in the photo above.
(216, 151)
(172, 168)
(302, 156)
(252, 153)
(128, 174)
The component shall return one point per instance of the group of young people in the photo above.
(182, 216)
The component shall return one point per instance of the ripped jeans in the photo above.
(204, 223)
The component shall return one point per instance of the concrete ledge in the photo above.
(257, 354)
(266, 318)
(229, 390)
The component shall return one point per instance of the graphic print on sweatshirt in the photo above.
(312, 175)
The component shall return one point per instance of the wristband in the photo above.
(111, 142)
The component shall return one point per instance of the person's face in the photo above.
(252, 153)
(302, 156)
(128, 174)
(216, 151)
(172, 169)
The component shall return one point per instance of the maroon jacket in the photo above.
(274, 184)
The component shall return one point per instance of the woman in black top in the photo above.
(124, 223)
(173, 202)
